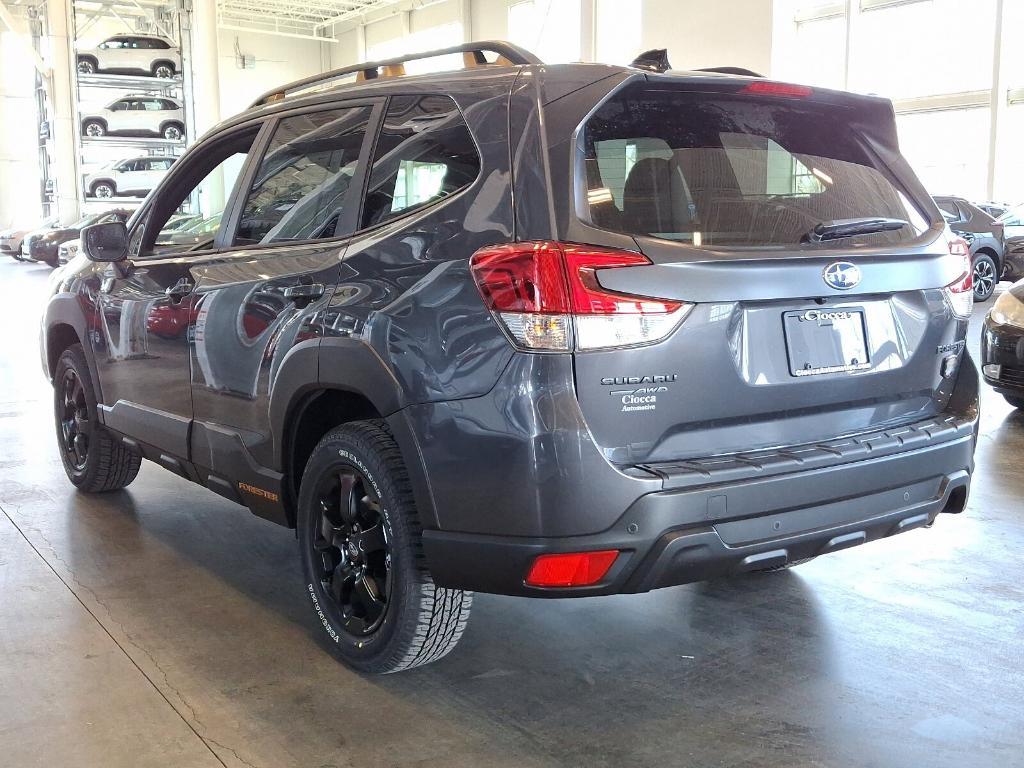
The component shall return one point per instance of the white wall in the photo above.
(278, 60)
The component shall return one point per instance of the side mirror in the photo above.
(105, 242)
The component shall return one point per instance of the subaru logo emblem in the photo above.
(842, 275)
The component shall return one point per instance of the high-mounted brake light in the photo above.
(769, 88)
(571, 569)
(960, 293)
(547, 295)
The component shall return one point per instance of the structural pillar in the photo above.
(997, 103)
(63, 123)
(206, 92)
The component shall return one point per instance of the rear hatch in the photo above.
(814, 280)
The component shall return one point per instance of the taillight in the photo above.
(960, 293)
(547, 296)
(769, 88)
(571, 569)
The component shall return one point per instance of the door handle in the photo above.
(179, 290)
(304, 293)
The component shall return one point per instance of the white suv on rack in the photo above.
(134, 176)
(156, 56)
(137, 114)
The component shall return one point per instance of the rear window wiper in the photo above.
(838, 228)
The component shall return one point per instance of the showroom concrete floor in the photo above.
(164, 626)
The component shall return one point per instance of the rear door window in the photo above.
(302, 184)
(724, 170)
(424, 154)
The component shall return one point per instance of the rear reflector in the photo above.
(960, 293)
(548, 297)
(571, 569)
(768, 88)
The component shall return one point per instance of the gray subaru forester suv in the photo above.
(550, 331)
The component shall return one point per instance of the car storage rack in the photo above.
(509, 55)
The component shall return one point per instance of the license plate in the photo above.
(826, 341)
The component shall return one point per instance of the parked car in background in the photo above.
(10, 241)
(149, 54)
(1002, 345)
(995, 210)
(137, 114)
(1013, 234)
(44, 245)
(134, 176)
(189, 236)
(67, 251)
(985, 237)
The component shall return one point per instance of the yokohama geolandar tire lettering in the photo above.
(359, 540)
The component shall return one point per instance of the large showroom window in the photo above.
(943, 102)
(429, 39)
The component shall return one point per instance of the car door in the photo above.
(113, 53)
(263, 296)
(119, 115)
(127, 176)
(146, 304)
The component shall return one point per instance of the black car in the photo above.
(985, 237)
(1002, 345)
(44, 245)
(550, 331)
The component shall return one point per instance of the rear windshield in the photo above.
(721, 170)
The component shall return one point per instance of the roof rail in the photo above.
(509, 55)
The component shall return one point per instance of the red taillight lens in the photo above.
(768, 88)
(572, 569)
(542, 291)
(960, 293)
(522, 277)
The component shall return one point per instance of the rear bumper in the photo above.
(701, 530)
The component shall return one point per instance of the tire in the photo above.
(104, 189)
(174, 132)
(1015, 401)
(985, 277)
(93, 460)
(163, 70)
(94, 129)
(86, 67)
(364, 571)
(785, 567)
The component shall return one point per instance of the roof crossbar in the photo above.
(509, 55)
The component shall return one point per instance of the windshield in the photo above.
(725, 170)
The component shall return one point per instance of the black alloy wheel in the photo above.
(75, 425)
(354, 552)
(984, 277)
(362, 555)
(94, 460)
